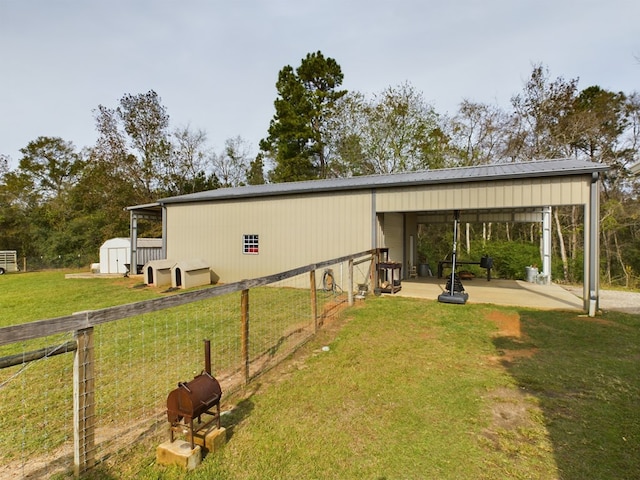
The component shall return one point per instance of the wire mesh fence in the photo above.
(36, 412)
(129, 366)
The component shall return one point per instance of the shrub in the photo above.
(510, 258)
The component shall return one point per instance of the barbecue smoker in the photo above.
(195, 398)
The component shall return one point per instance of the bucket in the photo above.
(531, 274)
(424, 270)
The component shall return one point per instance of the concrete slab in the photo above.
(179, 453)
(515, 293)
(212, 440)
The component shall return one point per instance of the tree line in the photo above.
(61, 203)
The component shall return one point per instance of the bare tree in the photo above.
(478, 134)
(134, 139)
(537, 116)
(395, 131)
(233, 163)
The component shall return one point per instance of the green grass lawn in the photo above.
(25, 297)
(415, 389)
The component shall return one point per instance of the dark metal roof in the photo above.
(502, 171)
(149, 210)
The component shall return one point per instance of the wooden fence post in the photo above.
(375, 260)
(244, 307)
(314, 300)
(83, 403)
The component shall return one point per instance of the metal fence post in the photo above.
(314, 300)
(83, 403)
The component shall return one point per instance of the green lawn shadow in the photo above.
(584, 375)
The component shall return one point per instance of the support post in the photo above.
(546, 245)
(83, 403)
(594, 245)
(376, 271)
(350, 283)
(244, 308)
(133, 240)
(314, 300)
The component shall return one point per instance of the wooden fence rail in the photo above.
(82, 320)
(82, 325)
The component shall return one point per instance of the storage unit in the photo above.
(158, 272)
(190, 273)
(115, 254)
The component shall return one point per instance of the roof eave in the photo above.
(234, 194)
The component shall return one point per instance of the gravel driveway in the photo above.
(627, 302)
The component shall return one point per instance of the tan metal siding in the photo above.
(393, 230)
(555, 191)
(293, 231)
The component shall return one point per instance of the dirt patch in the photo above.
(510, 409)
(510, 413)
(509, 326)
(506, 357)
(332, 311)
(508, 323)
(330, 322)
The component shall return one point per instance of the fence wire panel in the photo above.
(280, 319)
(135, 362)
(140, 360)
(36, 412)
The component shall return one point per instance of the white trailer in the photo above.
(8, 261)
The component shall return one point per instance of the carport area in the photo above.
(498, 194)
(515, 293)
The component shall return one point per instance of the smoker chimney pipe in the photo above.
(207, 356)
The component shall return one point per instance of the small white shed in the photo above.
(190, 273)
(115, 253)
(158, 272)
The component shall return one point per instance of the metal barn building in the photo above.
(251, 231)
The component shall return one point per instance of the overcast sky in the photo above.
(215, 63)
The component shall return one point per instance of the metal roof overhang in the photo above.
(149, 211)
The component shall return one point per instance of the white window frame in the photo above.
(251, 244)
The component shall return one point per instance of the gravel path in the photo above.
(627, 302)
